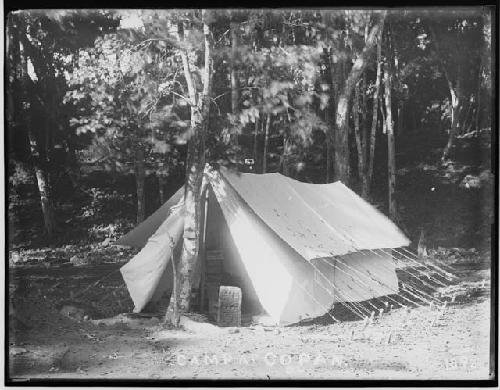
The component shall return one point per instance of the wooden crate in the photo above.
(229, 308)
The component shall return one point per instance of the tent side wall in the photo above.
(140, 235)
(356, 277)
(146, 275)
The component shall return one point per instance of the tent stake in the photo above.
(365, 323)
(389, 338)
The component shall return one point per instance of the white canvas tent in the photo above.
(299, 247)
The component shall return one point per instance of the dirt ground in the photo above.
(418, 343)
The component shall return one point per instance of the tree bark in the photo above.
(43, 187)
(373, 135)
(72, 166)
(235, 91)
(358, 136)
(235, 97)
(400, 117)
(162, 181)
(174, 318)
(195, 165)
(391, 148)
(364, 107)
(39, 164)
(483, 65)
(45, 201)
(140, 178)
(478, 98)
(255, 140)
(335, 75)
(341, 145)
(456, 102)
(284, 158)
(455, 96)
(266, 144)
(329, 158)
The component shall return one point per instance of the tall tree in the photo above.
(367, 178)
(235, 91)
(267, 122)
(44, 43)
(200, 110)
(341, 154)
(21, 86)
(389, 125)
(456, 94)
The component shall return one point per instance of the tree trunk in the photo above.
(195, 166)
(455, 119)
(140, 178)
(391, 149)
(382, 110)
(235, 93)
(266, 144)
(255, 140)
(175, 317)
(341, 150)
(456, 102)
(45, 196)
(478, 99)
(39, 164)
(373, 135)
(364, 107)
(234, 75)
(483, 65)
(43, 188)
(329, 158)
(455, 95)
(284, 158)
(400, 118)
(162, 181)
(336, 77)
(72, 166)
(358, 136)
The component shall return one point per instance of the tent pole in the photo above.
(203, 253)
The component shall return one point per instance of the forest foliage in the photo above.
(395, 103)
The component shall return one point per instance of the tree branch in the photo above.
(182, 97)
(186, 67)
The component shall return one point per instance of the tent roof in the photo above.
(317, 220)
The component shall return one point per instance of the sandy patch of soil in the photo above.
(400, 345)
(420, 343)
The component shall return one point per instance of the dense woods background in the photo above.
(110, 112)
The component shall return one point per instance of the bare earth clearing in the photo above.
(421, 343)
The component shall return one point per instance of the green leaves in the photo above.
(122, 90)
